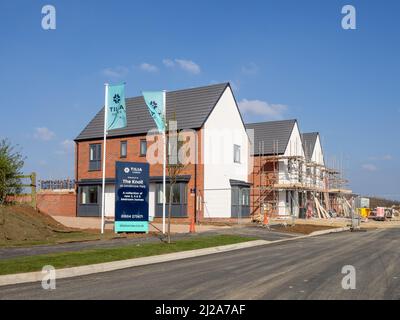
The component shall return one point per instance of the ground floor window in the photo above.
(179, 199)
(179, 194)
(88, 195)
(89, 200)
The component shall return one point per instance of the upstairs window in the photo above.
(143, 147)
(124, 149)
(174, 146)
(95, 157)
(236, 153)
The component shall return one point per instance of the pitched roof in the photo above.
(271, 137)
(309, 139)
(191, 106)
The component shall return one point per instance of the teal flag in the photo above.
(155, 102)
(116, 115)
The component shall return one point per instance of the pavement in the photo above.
(342, 222)
(305, 268)
(95, 223)
(253, 231)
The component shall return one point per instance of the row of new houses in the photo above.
(240, 170)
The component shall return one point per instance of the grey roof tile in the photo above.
(191, 107)
(271, 137)
(309, 139)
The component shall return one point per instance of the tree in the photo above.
(173, 172)
(11, 163)
(174, 166)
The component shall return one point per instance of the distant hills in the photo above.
(382, 202)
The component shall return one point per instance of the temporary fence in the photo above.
(62, 184)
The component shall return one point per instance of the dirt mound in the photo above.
(299, 228)
(23, 223)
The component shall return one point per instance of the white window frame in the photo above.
(236, 152)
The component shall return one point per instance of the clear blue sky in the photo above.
(285, 59)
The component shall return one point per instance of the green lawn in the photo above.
(86, 257)
(60, 237)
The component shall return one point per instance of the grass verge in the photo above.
(67, 237)
(86, 257)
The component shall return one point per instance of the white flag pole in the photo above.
(164, 159)
(103, 200)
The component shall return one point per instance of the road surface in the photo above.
(301, 269)
(255, 231)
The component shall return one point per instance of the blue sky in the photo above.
(284, 59)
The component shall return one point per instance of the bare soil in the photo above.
(299, 228)
(22, 225)
(22, 222)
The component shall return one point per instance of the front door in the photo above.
(240, 199)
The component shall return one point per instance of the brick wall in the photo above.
(23, 198)
(133, 154)
(57, 203)
(255, 178)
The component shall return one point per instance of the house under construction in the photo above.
(289, 177)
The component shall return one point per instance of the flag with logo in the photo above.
(116, 115)
(155, 102)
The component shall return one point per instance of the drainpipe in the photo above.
(195, 181)
(76, 176)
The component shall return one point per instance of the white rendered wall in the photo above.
(152, 200)
(223, 129)
(110, 200)
(284, 207)
(295, 144)
(294, 148)
(318, 157)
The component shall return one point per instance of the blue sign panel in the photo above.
(131, 197)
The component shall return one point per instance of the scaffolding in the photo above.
(317, 187)
(267, 183)
(339, 194)
(265, 176)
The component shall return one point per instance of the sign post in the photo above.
(131, 197)
(114, 118)
(164, 161)
(103, 184)
(156, 102)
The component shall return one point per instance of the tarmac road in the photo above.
(255, 231)
(307, 268)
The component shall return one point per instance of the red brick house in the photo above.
(204, 189)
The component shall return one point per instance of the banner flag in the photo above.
(155, 102)
(116, 115)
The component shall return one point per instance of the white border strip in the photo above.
(123, 264)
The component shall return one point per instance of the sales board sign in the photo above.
(131, 197)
